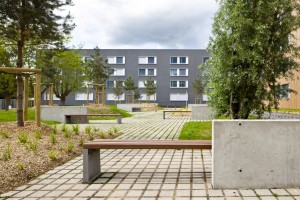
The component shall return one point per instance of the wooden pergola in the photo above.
(37, 91)
(96, 85)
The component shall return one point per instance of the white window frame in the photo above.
(47, 97)
(141, 83)
(113, 97)
(178, 60)
(113, 60)
(83, 96)
(144, 97)
(146, 72)
(116, 72)
(178, 71)
(179, 96)
(144, 60)
(178, 86)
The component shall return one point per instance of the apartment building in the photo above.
(173, 71)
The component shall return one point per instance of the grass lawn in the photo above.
(11, 115)
(285, 110)
(108, 110)
(196, 131)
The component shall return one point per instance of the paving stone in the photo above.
(231, 193)
(263, 192)
(247, 193)
(55, 193)
(103, 193)
(267, 198)
(135, 193)
(166, 193)
(284, 198)
(215, 193)
(294, 191)
(38, 193)
(280, 192)
(71, 193)
(86, 193)
(251, 198)
(199, 193)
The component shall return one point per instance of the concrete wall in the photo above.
(201, 111)
(57, 113)
(128, 107)
(256, 154)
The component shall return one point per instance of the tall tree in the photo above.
(32, 22)
(130, 86)
(197, 87)
(253, 44)
(8, 87)
(150, 87)
(97, 69)
(64, 69)
(118, 89)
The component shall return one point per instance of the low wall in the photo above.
(201, 111)
(57, 113)
(249, 154)
(128, 107)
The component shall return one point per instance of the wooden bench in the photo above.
(91, 151)
(83, 118)
(172, 111)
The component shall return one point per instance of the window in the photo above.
(116, 60)
(147, 60)
(173, 84)
(47, 97)
(178, 72)
(141, 84)
(83, 96)
(110, 84)
(205, 59)
(142, 72)
(147, 72)
(150, 72)
(284, 91)
(113, 97)
(179, 60)
(179, 84)
(144, 97)
(179, 97)
(118, 72)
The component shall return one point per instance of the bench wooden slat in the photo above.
(93, 115)
(148, 144)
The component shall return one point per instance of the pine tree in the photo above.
(32, 22)
(150, 87)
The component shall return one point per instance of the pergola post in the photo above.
(38, 100)
(26, 91)
(103, 95)
(97, 94)
(88, 94)
(51, 95)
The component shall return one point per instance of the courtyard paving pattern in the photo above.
(142, 174)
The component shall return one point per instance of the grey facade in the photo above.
(172, 69)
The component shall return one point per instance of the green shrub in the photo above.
(115, 130)
(20, 166)
(70, 147)
(110, 132)
(81, 141)
(102, 135)
(52, 155)
(91, 136)
(33, 145)
(38, 134)
(54, 131)
(23, 138)
(75, 129)
(95, 129)
(64, 128)
(53, 138)
(68, 133)
(7, 153)
(4, 134)
(88, 129)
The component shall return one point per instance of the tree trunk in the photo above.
(7, 102)
(20, 85)
(63, 100)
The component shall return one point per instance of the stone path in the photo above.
(142, 174)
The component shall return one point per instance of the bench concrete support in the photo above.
(119, 120)
(253, 154)
(91, 165)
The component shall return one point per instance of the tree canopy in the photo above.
(197, 86)
(150, 87)
(118, 89)
(64, 68)
(253, 45)
(32, 22)
(97, 70)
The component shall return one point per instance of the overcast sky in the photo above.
(143, 24)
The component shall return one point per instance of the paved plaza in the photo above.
(142, 174)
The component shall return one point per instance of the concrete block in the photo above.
(201, 111)
(91, 165)
(57, 113)
(253, 154)
(128, 107)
